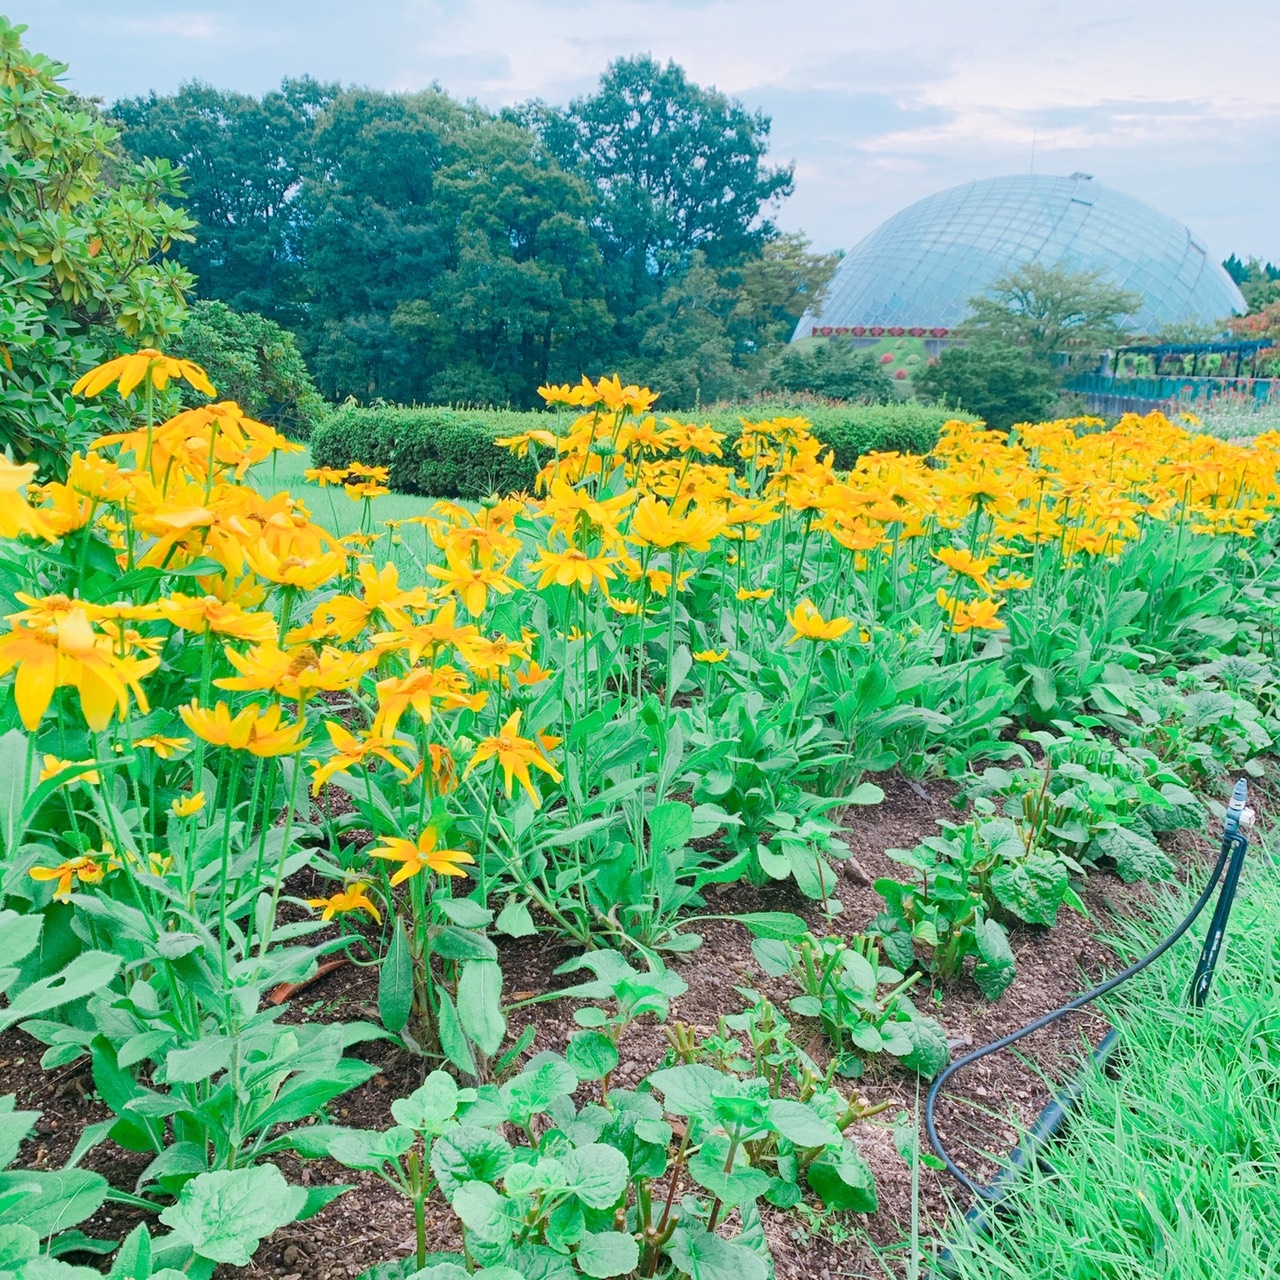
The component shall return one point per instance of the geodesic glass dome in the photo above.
(917, 271)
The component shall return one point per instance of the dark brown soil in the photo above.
(985, 1106)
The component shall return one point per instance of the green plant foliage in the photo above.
(254, 362)
(82, 234)
(996, 383)
(840, 981)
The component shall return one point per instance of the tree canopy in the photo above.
(425, 249)
(1047, 310)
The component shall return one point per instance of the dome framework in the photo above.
(916, 272)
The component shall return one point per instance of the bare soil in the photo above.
(985, 1107)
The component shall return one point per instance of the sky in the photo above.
(877, 104)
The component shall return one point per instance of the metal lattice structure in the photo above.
(917, 271)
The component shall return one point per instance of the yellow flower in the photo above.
(208, 613)
(471, 583)
(711, 655)
(350, 750)
(515, 754)
(966, 615)
(964, 562)
(423, 855)
(53, 767)
(304, 573)
(163, 747)
(571, 567)
(259, 733)
(325, 475)
(188, 806)
(85, 869)
(809, 624)
(353, 898)
(421, 688)
(295, 673)
(133, 369)
(627, 608)
(534, 673)
(62, 649)
(655, 524)
(16, 515)
(756, 593)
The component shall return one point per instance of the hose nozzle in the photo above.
(1236, 808)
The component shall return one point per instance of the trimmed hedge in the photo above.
(449, 453)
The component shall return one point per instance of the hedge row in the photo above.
(449, 453)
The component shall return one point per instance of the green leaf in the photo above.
(801, 1124)
(777, 866)
(596, 1174)
(480, 1004)
(430, 1107)
(464, 912)
(688, 1090)
(49, 1202)
(591, 1055)
(996, 967)
(703, 1255)
(224, 1215)
(607, 1253)
(483, 1212)
(515, 921)
(738, 1186)
(928, 1053)
(201, 1061)
(469, 1154)
(546, 1078)
(1135, 857)
(370, 1148)
(19, 1245)
(14, 1128)
(88, 973)
(670, 826)
(773, 924)
(453, 1039)
(18, 936)
(133, 1260)
(843, 1180)
(395, 982)
(864, 793)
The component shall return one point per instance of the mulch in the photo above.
(985, 1107)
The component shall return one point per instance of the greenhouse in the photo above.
(917, 271)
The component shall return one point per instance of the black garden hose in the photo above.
(1234, 844)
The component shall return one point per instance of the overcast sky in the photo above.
(1174, 101)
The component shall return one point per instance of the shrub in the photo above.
(995, 382)
(255, 362)
(82, 234)
(833, 369)
(449, 453)
(444, 453)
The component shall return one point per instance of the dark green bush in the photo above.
(449, 453)
(442, 453)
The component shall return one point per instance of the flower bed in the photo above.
(609, 721)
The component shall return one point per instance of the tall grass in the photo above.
(1171, 1169)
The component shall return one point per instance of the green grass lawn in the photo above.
(1170, 1170)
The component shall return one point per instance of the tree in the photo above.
(836, 370)
(996, 382)
(1049, 310)
(680, 169)
(253, 361)
(245, 159)
(83, 234)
